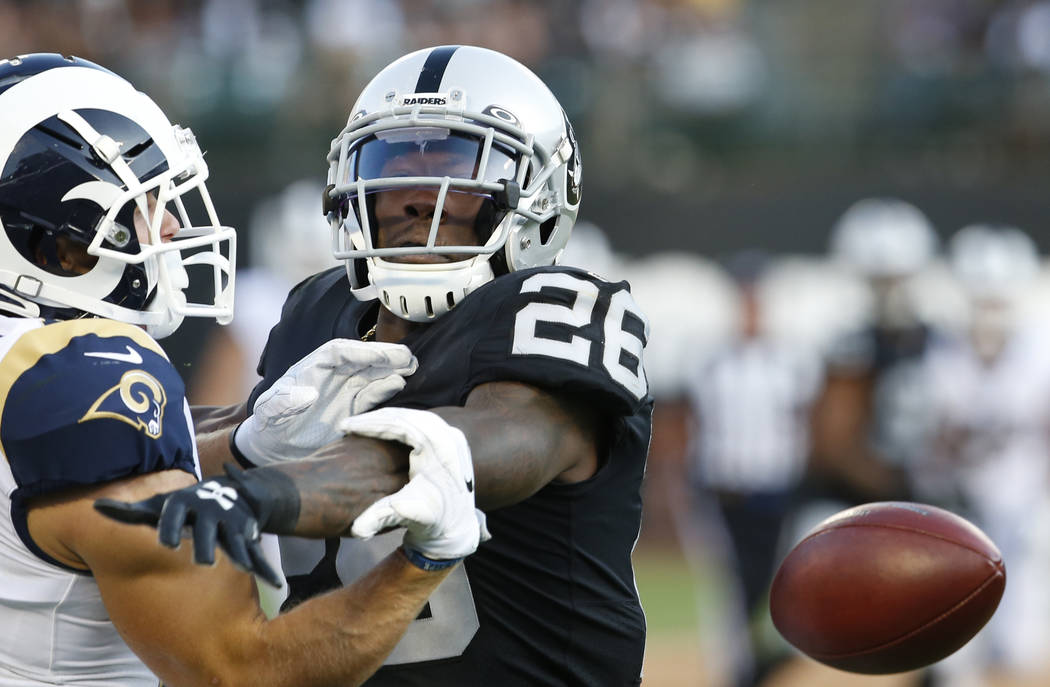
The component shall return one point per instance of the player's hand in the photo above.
(300, 413)
(224, 511)
(436, 507)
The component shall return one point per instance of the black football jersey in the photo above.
(551, 599)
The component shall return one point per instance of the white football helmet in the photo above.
(993, 262)
(87, 161)
(498, 139)
(995, 266)
(883, 237)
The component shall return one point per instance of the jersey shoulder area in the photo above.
(87, 401)
(513, 281)
(560, 283)
(560, 328)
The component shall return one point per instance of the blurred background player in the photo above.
(99, 194)
(990, 401)
(871, 417)
(751, 402)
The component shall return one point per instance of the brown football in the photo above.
(887, 587)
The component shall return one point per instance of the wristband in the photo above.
(236, 452)
(272, 495)
(427, 564)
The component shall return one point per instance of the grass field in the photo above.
(684, 611)
(670, 593)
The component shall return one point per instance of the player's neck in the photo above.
(391, 329)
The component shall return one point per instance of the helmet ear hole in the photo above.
(547, 229)
(361, 271)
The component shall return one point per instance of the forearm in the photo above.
(523, 438)
(213, 425)
(339, 638)
(340, 481)
(344, 636)
(514, 462)
(213, 418)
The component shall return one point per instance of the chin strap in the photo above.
(420, 293)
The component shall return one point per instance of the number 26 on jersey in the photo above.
(620, 345)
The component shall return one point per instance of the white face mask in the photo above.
(171, 298)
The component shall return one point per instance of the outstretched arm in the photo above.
(195, 625)
(521, 438)
(517, 439)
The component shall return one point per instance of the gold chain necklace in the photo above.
(370, 335)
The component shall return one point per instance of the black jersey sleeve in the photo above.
(565, 330)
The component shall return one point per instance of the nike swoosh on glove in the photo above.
(301, 412)
(436, 507)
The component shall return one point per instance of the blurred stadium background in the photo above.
(708, 128)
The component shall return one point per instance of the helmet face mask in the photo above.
(472, 150)
(86, 160)
(410, 166)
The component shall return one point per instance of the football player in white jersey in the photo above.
(991, 405)
(98, 192)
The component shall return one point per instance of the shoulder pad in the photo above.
(90, 400)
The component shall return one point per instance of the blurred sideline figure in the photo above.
(103, 207)
(683, 328)
(870, 418)
(751, 400)
(991, 460)
(288, 241)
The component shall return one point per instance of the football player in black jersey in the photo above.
(452, 193)
(99, 194)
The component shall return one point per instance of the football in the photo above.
(887, 587)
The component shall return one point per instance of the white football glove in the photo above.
(300, 413)
(437, 505)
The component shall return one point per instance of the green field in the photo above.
(670, 593)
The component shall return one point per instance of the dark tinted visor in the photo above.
(428, 152)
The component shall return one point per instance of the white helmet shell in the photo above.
(993, 262)
(883, 237)
(478, 95)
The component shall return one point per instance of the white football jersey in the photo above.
(63, 408)
(54, 628)
(995, 421)
(999, 413)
